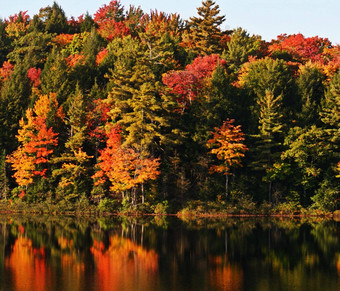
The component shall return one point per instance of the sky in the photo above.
(267, 18)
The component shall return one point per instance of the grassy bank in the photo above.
(191, 209)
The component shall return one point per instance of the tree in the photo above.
(268, 139)
(14, 99)
(4, 181)
(204, 33)
(227, 144)
(301, 49)
(37, 141)
(239, 48)
(330, 110)
(124, 167)
(259, 76)
(54, 19)
(312, 154)
(73, 161)
(311, 90)
(188, 83)
(110, 20)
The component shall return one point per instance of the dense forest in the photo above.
(127, 109)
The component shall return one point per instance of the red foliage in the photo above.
(111, 21)
(6, 70)
(203, 67)
(37, 142)
(96, 118)
(14, 18)
(73, 22)
(34, 75)
(111, 29)
(101, 56)
(187, 84)
(112, 11)
(301, 48)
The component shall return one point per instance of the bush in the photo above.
(161, 208)
(107, 205)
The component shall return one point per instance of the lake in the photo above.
(157, 253)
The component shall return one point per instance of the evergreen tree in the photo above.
(72, 164)
(54, 76)
(5, 42)
(87, 24)
(310, 90)
(204, 31)
(55, 19)
(330, 111)
(14, 100)
(239, 48)
(267, 150)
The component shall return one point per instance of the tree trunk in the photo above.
(270, 192)
(226, 185)
(142, 193)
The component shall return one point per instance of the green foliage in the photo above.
(240, 47)
(139, 72)
(161, 208)
(204, 31)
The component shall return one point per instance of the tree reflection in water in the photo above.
(55, 253)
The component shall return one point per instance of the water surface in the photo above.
(65, 253)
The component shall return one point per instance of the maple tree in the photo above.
(6, 71)
(227, 144)
(124, 167)
(110, 19)
(37, 142)
(188, 83)
(34, 75)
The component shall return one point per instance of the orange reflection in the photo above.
(122, 261)
(224, 276)
(28, 266)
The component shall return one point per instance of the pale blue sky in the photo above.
(267, 18)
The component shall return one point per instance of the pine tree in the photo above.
(72, 164)
(268, 140)
(311, 91)
(14, 99)
(330, 111)
(55, 19)
(204, 31)
(239, 48)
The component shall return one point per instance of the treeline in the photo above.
(132, 108)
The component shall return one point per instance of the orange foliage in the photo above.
(6, 70)
(76, 59)
(63, 39)
(101, 56)
(36, 141)
(17, 25)
(121, 260)
(28, 266)
(224, 276)
(227, 144)
(123, 167)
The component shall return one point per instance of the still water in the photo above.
(65, 253)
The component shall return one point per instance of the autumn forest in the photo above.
(129, 111)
